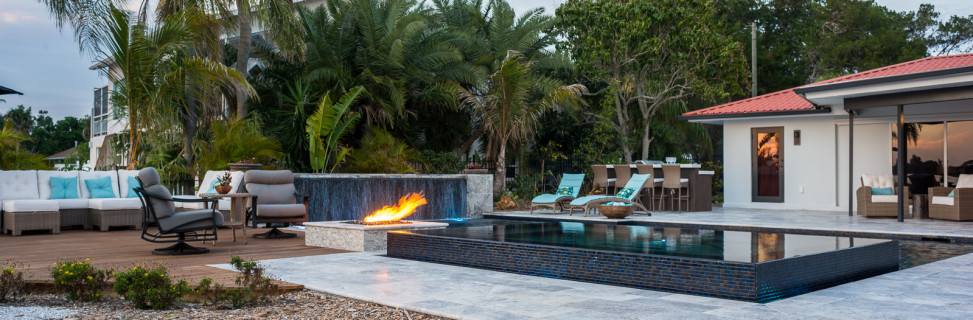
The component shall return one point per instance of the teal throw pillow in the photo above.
(212, 187)
(566, 191)
(882, 192)
(64, 188)
(132, 184)
(99, 188)
(951, 194)
(625, 193)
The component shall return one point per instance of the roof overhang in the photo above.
(719, 118)
(898, 89)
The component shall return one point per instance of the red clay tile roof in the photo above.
(787, 100)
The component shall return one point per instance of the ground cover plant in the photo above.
(11, 281)
(80, 280)
(149, 288)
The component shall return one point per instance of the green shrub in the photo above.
(11, 282)
(149, 287)
(525, 186)
(441, 162)
(80, 280)
(253, 286)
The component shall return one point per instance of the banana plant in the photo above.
(326, 127)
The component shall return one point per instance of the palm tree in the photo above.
(513, 101)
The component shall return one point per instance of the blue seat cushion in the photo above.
(64, 188)
(132, 184)
(882, 191)
(100, 188)
(566, 191)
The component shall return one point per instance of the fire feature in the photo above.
(394, 214)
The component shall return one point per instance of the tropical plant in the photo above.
(380, 152)
(232, 140)
(325, 129)
(12, 157)
(516, 96)
(149, 287)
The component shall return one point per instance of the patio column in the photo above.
(901, 163)
(851, 161)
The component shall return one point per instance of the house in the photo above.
(793, 149)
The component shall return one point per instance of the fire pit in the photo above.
(369, 233)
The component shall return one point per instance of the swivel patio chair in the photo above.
(953, 203)
(877, 197)
(278, 201)
(179, 227)
(567, 190)
(627, 195)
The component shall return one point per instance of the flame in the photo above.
(407, 205)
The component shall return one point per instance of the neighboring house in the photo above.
(57, 160)
(106, 122)
(790, 149)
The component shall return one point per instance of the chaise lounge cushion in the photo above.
(30, 206)
(18, 185)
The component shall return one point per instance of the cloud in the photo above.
(12, 18)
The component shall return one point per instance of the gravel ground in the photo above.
(295, 305)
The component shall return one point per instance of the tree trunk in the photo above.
(622, 128)
(243, 54)
(500, 173)
(190, 127)
(469, 142)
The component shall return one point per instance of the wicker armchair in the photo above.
(959, 207)
(870, 205)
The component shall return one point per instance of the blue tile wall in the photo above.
(759, 282)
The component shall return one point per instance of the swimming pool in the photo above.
(749, 266)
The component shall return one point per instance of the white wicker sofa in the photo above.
(29, 201)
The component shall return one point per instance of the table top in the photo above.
(228, 195)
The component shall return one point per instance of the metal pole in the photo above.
(851, 161)
(901, 164)
(753, 54)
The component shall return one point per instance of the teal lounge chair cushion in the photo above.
(566, 191)
(548, 198)
(625, 193)
(584, 200)
(882, 192)
(64, 188)
(100, 188)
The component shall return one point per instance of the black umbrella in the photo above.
(5, 90)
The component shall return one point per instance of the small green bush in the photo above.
(254, 287)
(441, 162)
(149, 288)
(11, 282)
(80, 280)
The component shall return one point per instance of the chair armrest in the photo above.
(864, 194)
(939, 191)
(963, 197)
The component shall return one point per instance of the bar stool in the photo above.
(654, 182)
(623, 173)
(601, 177)
(673, 181)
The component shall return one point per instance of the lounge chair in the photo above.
(877, 197)
(567, 190)
(953, 203)
(628, 195)
(279, 201)
(174, 227)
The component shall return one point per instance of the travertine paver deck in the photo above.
(786, 219)
(940, 290)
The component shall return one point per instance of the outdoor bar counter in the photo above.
(700, 187)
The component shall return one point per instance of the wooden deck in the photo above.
(122, 249)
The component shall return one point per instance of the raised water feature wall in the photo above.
(353, 196)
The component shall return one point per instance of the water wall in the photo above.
(353, 196)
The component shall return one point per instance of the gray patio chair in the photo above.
(278, 201)
(179, 227)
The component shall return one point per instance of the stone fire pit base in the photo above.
(356, 237)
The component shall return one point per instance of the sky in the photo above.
(46, 65)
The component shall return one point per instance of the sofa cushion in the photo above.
(88, 175)
(878, 181)
(191, 219)
(30, 205)
(45, 186)
(126, 181)
(885, 198)
(280, 210)
(100, 188)
(965, 181)
(18, 185)
(68, 204)
(942, 200)
(115, 204)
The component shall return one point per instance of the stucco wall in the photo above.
(815, 171)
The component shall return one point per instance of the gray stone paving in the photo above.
(939, 290)
(798, 219)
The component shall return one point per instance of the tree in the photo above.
(325, 129)
(650, 54)
(12, 157)
(515, 98)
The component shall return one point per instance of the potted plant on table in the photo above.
(223, 183)
(474, 168)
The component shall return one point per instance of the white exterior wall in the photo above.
(815, 172)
